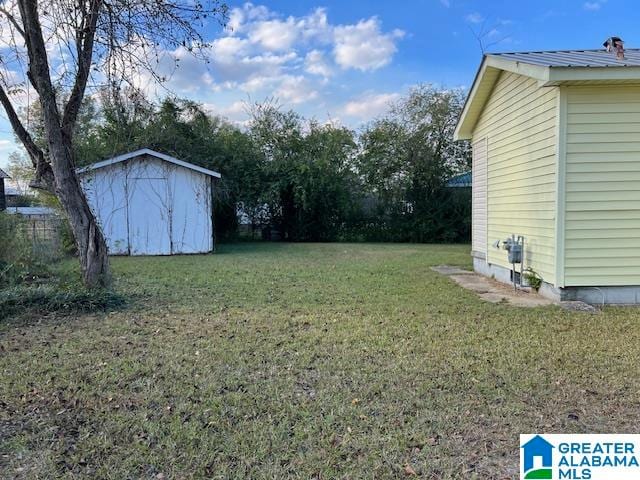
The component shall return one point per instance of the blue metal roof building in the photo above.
(459, 181)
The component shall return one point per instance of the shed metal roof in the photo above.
(574, 58)
(153, 153)
(3, 174)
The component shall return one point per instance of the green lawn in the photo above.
(306, 361)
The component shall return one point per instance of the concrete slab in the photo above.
(493, 291)
(576, 306)
(449, 270)
(472, 282)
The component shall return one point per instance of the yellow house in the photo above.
(556, 159)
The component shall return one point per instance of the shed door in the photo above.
(479, 197)
(149, 212)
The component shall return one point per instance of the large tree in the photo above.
(407, 157)
(61, 47)
(311, 187)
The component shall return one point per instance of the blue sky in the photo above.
(345, 61)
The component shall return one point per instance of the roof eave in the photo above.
(483, 85)
(463, 130)
(539, 72)
(558, 75)
(153, 153)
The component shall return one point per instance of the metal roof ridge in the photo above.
(584, 50)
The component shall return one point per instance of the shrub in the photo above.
(19, 261)
(533, 279)
(52, 298)
(67, 242)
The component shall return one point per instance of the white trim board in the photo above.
(153, 153)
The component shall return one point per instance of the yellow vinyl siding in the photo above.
(479, 199)
(602, 226)
(519, 123)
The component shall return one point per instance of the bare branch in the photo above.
(44, 175)
(84, 41)
(13, 20)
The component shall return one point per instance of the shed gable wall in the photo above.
(602, 206)
(147, 206)
(106, 193)
(519, 122)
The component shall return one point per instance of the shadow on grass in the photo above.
(251, 247)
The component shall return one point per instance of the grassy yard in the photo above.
(269, 361)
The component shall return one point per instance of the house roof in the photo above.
(575, 58)
(153, 153)
(549, 68)
(3, 174)
(459, 181)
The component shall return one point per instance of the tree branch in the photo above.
(85, 39)
(44, 175)
(12, 19)
(38, 73)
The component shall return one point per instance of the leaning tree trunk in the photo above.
(92, 248)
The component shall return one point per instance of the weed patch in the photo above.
(55, 299)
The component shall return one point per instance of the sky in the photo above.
(345, 60)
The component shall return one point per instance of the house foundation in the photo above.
(621, 295)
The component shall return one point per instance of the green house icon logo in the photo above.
(537, 462)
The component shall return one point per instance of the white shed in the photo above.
(149, 203)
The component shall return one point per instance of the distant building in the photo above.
(462, 180)
(35, 213)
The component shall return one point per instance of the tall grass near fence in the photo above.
(23, 258)
(31, 280)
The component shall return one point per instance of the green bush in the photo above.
(68, 245)
(19, 261)
(533, 278)
(53, 298)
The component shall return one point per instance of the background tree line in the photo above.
(290, 178)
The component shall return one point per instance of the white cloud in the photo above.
(236, 17)
(268, 30)
(474, 17)
(363, 46)
(593, 6)
(263, 47)
(6, 147)
(236, 112)
(247, 13)
(295, 90)
(316, 64)
(275, 35)
(370, 105)
(265, 54)
(228, 48)
(316, 27)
